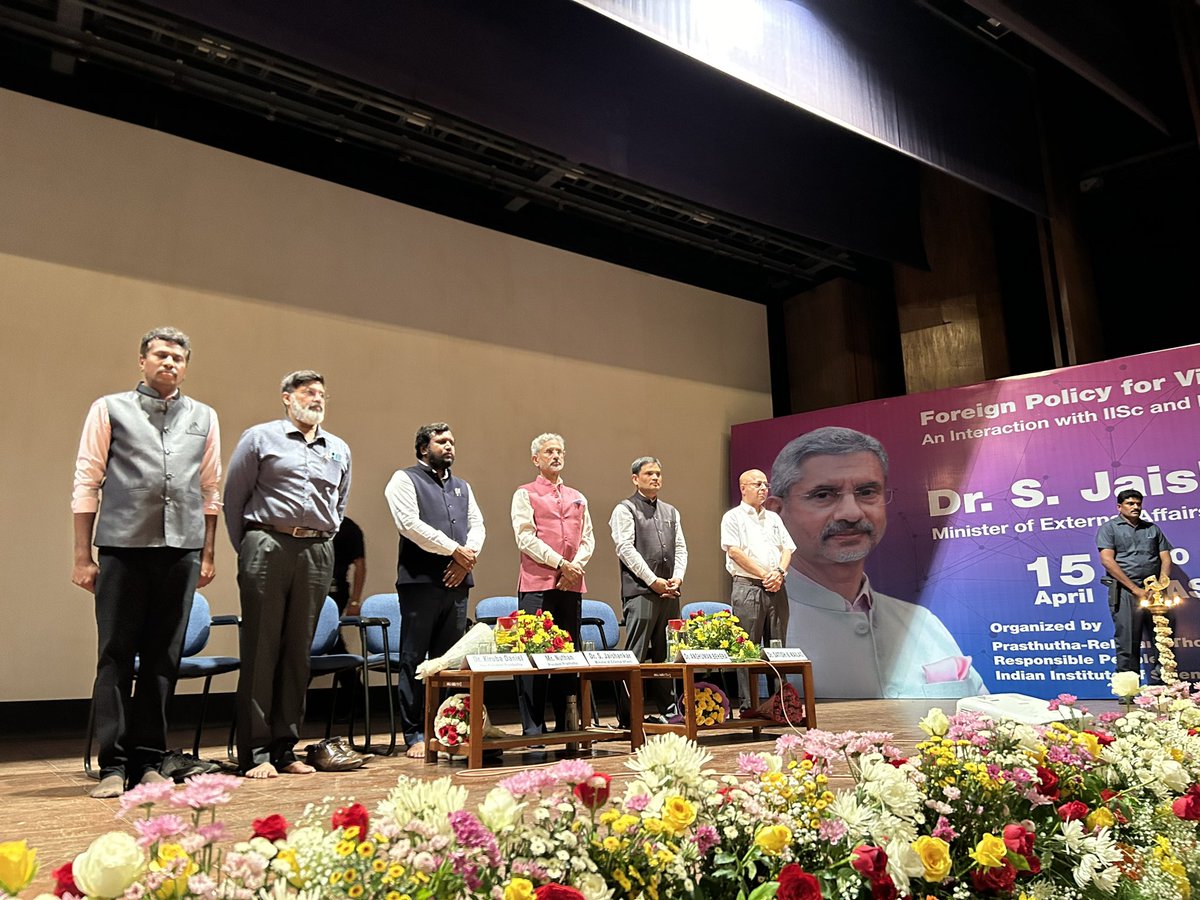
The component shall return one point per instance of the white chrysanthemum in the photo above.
(430, 802)
(903, 863)
(1072, 835)
(890, 786)
(844, 807)
(671, 760)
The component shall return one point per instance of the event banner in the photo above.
(999, 489)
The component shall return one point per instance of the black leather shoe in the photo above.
(181, 766)
(330, 756)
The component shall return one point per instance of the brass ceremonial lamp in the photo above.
(1157, 605)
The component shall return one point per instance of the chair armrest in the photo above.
(591, 620)
(364, 621)
(227, 620)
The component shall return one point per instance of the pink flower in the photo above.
(1188, 806)
(147, 795)
(152, 830)
(706, 838)
(944, 830)
(205, 791)
(751, 764)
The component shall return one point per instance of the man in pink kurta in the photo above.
(554, 534)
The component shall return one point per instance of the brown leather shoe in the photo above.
(344, 743)
(330, 756)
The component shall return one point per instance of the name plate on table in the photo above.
(705, 656)
(557, 660)
(499, 662)
(784, 654)
(611, 658)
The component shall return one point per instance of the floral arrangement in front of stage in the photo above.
(451, 725)
(978, 809)
(712, 704)
(719, 631)
(532, 633)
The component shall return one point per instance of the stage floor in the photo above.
(43, 789)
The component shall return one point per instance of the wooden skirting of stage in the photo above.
(44, 789)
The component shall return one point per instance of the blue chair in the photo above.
(489, 609)
(703, 606)
(199, 628)
(326, 659)
(379, 623)
(598, 623)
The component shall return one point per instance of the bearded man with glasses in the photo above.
(830, 488)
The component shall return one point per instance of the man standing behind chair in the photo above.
(157, 456)
(285, 498)
(441, 536)
(757, 552)
(554, 534)
(653, 554)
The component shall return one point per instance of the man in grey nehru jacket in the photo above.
(157, 456)
(649, 540)
(285, 499)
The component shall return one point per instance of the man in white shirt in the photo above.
(441, 536)
(653, 553)
(757, 549)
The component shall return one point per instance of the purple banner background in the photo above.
(1000, 488)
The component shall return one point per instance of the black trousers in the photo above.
(1132, 624)
(565, 607)
(432, 617)
(143, 600)
(283, 581)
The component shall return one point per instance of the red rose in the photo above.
(997, 878)
(558, 892)
(1188, 806)
(1076, 809)
(870, 862)
(898, 761)
(1047, 783)
(273, 827)
(64, 881)
(349, 816)
(1019, 840)
(593, 792)
(796, 884)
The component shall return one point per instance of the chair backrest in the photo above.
(489, 609)
(198, 627)
(382, 606)
(326, 634)
(605, 635)
(704, 606)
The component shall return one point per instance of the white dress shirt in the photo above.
(761, 534)
(525, 529)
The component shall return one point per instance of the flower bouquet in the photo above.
(452, 724)
(719, 631)
(712, 705)
(531, 633)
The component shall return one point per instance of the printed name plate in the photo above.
(557, 660)
(705, 656)
(499, 662)
(784, 654)
(611, 658)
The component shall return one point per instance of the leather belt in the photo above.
(294, 532)
(747, 578)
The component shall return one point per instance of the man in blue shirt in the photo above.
(1131, 550)
(286, 496)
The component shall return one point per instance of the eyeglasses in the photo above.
(867, 495)
(311, 392)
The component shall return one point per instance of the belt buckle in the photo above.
(299, 532)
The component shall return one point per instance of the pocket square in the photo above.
(952, 668)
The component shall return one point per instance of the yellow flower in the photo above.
(678, 813)
(990, 852)
(773, 839)
(379, 865)
(345, 848)
(624, 823)
(935, 723)
(1100, 818)
(935, 857)
(519, 889)
(395, 870)
(1091, 743)
(356, 891)
(166, 860)
(611, 844)
(392, 895)
(18, 866)
(365, 849)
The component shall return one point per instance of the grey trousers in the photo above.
(759, 613)
(646, 618)
(283, 582)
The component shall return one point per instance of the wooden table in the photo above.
(472, 683)
(686, 672)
